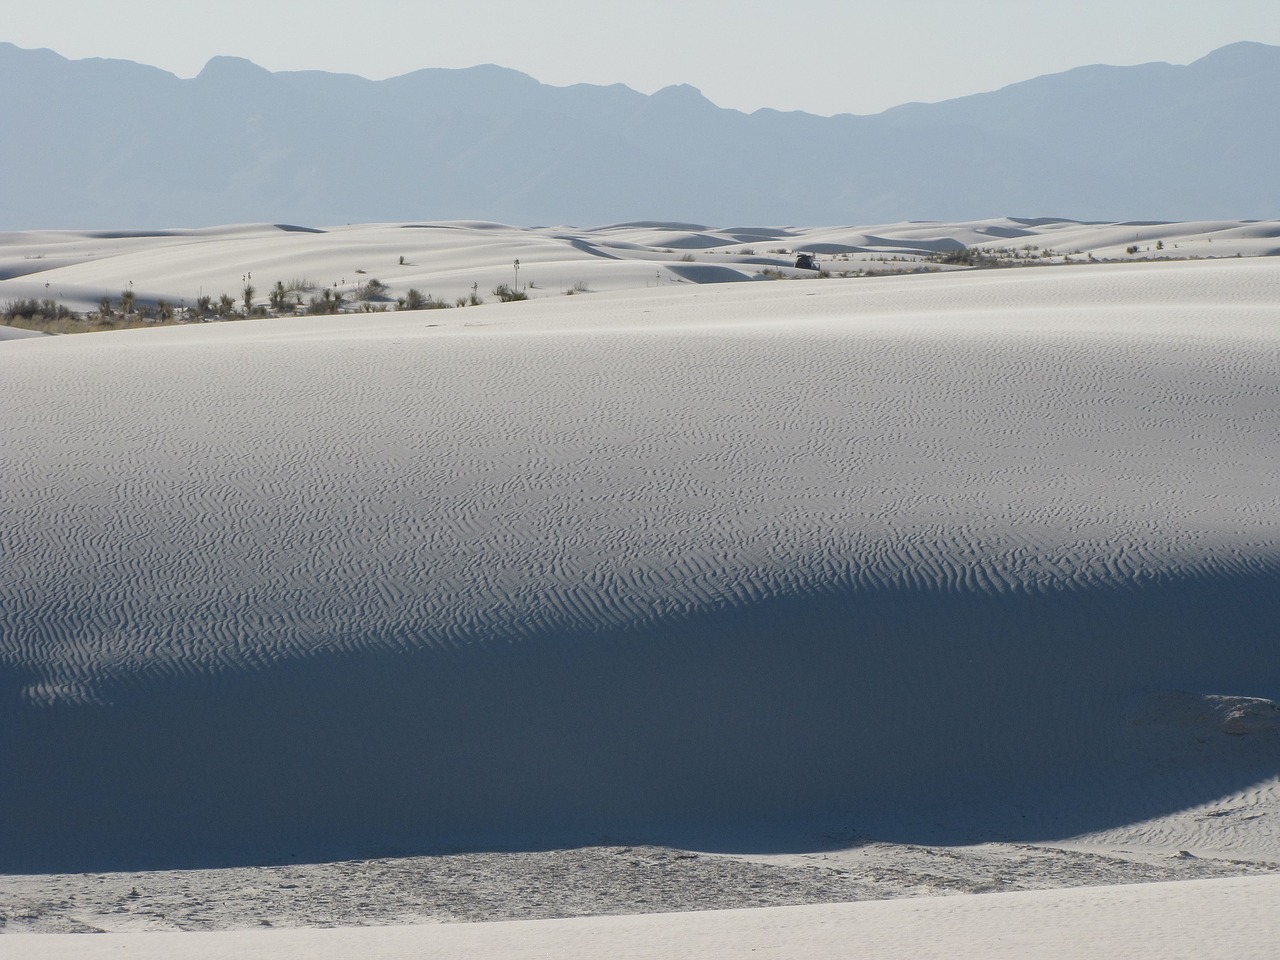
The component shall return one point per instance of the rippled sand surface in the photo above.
(986, 555)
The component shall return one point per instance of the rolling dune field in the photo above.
(979, 556)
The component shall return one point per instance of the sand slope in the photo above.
(962, 556)
(1197, 920)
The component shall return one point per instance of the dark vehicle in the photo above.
(806, 261)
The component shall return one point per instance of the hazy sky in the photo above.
(824, 56)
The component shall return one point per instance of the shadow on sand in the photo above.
(908, 716)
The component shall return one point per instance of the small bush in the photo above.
(370, 290)
(278, 298)
(506, 294)
(330, 302)
(962, 257)
(414, 300)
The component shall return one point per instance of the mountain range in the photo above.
(115, 144)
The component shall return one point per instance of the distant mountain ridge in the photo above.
(108, 143)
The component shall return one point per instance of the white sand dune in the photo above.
(16, 333)
(1195, 920)
(988, 555)
(822, 580)
(454, 259)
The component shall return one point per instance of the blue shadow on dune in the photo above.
(904, 715)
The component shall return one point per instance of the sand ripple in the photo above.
(944, 496)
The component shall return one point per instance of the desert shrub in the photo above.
(372, 289)
(278, 298)
(415, 300)
(687, 258)
(506, 294)
(965, 256)
(1131, 249)
(49, 316)
(36, 312)
(329, 302)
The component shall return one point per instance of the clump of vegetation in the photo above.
(49, 316)
(774, 273)
(35, 311)
(415, 300)
(372, 289)
(962, 257)
(507, 294)
(579, 287)
(330, 302)
(278, 298)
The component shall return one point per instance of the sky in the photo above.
(821, 56)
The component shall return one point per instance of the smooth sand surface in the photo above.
(1196, 920)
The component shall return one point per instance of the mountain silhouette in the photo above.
(108, 143)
